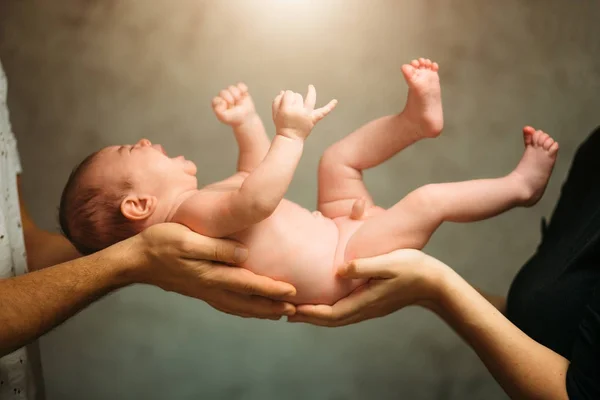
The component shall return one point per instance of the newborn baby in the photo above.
(120, 190)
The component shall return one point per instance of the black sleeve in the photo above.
(583, 375)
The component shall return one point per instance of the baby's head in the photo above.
(118, 191)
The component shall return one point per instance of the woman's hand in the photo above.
(524, 368)
(398, 279)
(176, 259)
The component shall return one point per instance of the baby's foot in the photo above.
(424, 103)
(535, 168)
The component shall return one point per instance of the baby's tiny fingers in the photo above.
(277, 103)
(226, 96)
(219, 104)
(298, 98)
(288, 98)
(236, 93)
(311, 97)
(242, 87)
(320, 113)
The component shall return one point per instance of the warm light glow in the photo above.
(289, 15)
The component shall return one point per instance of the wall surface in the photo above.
(89, 73)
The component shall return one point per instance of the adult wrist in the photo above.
(440, 279)
(126, 262)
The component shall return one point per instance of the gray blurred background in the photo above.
(88, 73)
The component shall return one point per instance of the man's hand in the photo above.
(234, 106)
(294, 117)
(178, 260)
(397, 280)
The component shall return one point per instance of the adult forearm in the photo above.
(33, 304)
(45, 249)
(524, 368)
(497, 301)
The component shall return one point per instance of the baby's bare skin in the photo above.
(290, 243)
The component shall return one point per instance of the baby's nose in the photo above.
(144, 143)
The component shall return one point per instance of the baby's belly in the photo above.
(301, 248)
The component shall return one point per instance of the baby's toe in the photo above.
(408, 71)
(548, 143)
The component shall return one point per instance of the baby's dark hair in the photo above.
(90, 215)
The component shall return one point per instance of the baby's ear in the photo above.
(137, 208)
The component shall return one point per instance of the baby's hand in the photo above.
(295, 117)
(233, 106)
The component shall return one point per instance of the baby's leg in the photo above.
(340, 170)
(412, 221)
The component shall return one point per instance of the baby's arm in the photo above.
(220, 213)
(234, 107)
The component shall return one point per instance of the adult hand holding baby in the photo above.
(396, 280)
(176, 259)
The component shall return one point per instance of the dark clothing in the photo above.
(555, 298)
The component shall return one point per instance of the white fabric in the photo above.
(16, 380)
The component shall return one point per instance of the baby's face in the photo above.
(148, 167)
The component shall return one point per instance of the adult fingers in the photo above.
(226, 310)
(199, 247)
(322, 322)
(243, 281)
(354, 306)
(383, 266)
(249, 306)
(367, 268)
